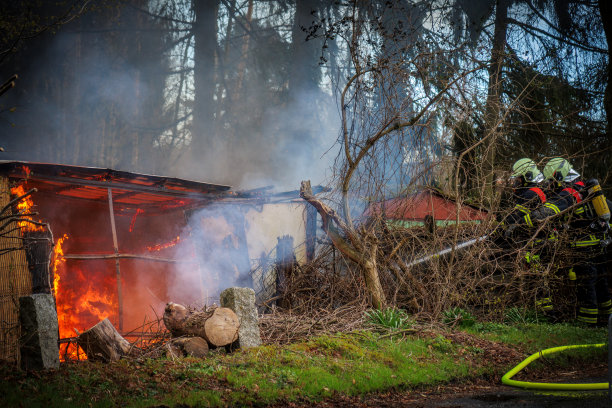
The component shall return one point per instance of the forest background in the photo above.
(372, 98)
(251, 93)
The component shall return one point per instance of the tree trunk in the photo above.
(219, 327)
(605, 10)
(103, 343)
(205, 53)
(372, 280)
(242, 64)
(362, 253)
(304, 68)
(493, 103)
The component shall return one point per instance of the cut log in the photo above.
(174, 318)
(103, 343)
(219, 326)
(187, 346)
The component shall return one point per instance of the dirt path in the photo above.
(472, 396)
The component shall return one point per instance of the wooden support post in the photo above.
(311, 232)
(117, 268)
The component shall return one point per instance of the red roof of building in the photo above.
(416, 207)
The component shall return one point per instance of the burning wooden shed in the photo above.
(127, 243)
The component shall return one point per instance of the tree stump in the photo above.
(103, 343)
(219, 326)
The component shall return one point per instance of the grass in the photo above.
(347, 364)
(457, 317)
(389, 318)
(538, 336)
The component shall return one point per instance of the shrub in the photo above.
(389, 318)
(458, 317)
(521, 315)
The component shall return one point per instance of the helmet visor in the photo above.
(538, 178)
(571, 176)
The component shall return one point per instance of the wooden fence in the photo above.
(15, 281)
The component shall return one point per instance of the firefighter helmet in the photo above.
(558, 169)
(527, 169)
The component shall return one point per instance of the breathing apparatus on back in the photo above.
(598, 200)
(560, 171)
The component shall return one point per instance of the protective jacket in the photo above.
(586, 234)
(527, 199)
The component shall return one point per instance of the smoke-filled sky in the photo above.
(247, 96)
(115, 88)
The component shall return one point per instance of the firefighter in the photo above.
(588, 233)
(528, 197)
(527, 194)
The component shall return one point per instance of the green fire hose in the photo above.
(506, 379)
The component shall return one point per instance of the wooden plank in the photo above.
(90, 257)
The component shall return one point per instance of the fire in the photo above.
(26, 170)
(83, 297)
(58, 260)
(138, 211)
(159, 247)
(24, 206)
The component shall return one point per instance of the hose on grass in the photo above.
(506, 379)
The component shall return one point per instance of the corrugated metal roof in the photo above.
(129, 189)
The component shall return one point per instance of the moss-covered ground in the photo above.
(315, 370)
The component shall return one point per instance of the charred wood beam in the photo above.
(162, 191)
(38, 246)
(92, 257)
(118, 197)
(151, 208)
(311, 232)
(117, 265)
(60, 190)
(29, 170)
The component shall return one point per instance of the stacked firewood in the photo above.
(195, 332)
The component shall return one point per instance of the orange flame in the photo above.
(26, 170)
(159, 247)
(58, 260)
(138, 211)
(24, 206)
(82, 298)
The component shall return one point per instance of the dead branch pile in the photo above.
(487, 278)
(326, 283)
(282, 327)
